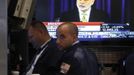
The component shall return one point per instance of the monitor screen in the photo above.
(109, 22)
(96, 32)
(118, 11)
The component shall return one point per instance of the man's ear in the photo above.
(41, 31)
(74, 36)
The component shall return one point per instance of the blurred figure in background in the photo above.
(129, 64)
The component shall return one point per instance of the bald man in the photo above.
(76, 60)
(84, 12)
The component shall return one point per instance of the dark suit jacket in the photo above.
(81, 61)
(47, 63)
(95, 16)
(129, 64)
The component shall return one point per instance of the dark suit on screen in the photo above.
(73, 16)
(46, 64)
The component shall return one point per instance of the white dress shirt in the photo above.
(87, 13)
(75, 42)
(37, 57)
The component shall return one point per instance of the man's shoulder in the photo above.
(99, 15)
(75, 49)
(52, 43)
(69, 13)
(53, 47)
(98, 11)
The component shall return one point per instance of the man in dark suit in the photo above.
(84, 12)
(129, 64)
(47, 56)
(76, 59)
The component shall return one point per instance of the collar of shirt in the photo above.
(30, 71)
(67, 49)
(45, 43)
(75, 42)
(87, 13)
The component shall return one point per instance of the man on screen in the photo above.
(84, 12)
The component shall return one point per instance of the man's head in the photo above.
(66, 35)
(84, 5)
(37, 33)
